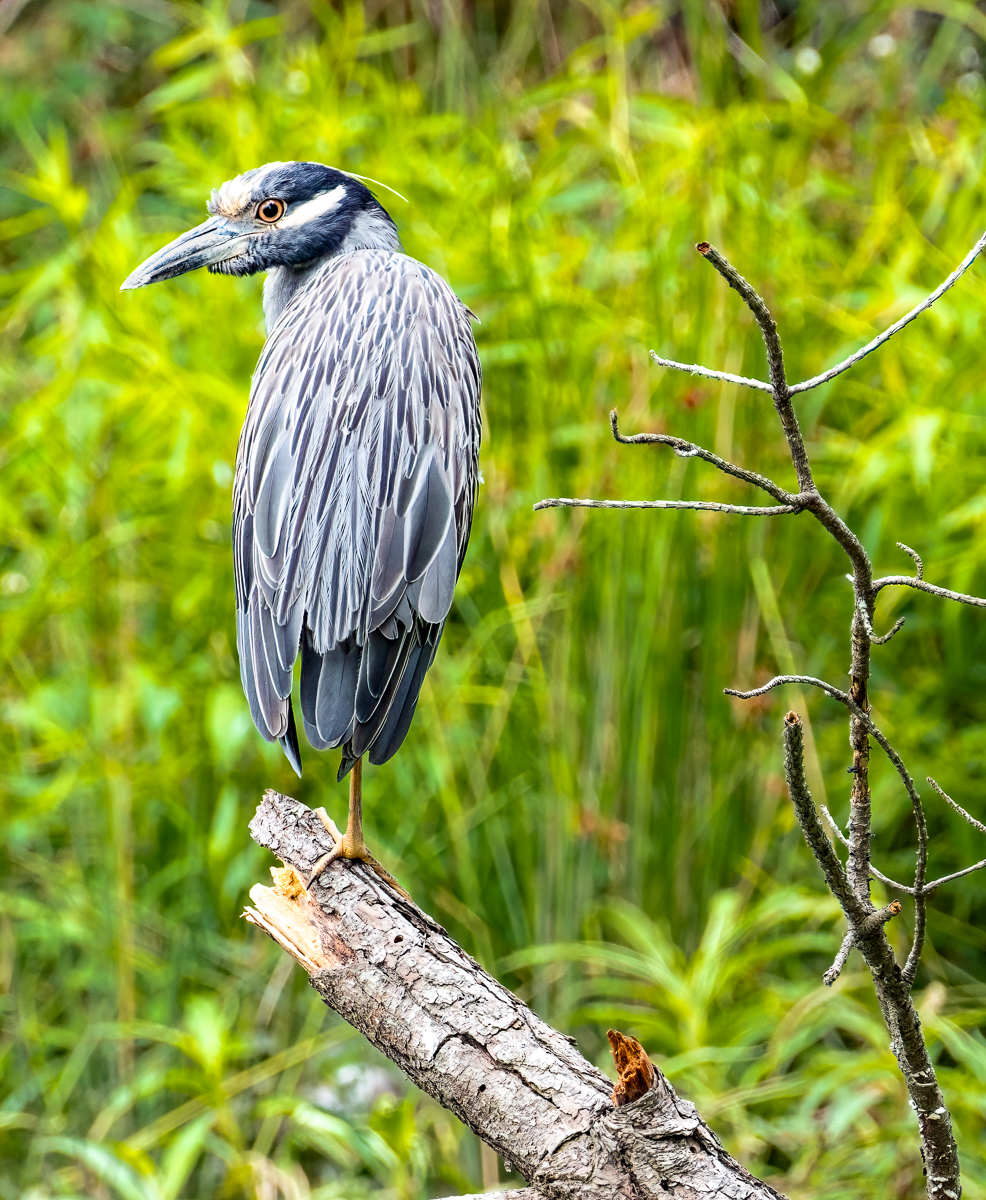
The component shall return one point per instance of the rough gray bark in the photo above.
(394, 974)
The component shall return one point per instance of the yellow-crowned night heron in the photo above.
(357, 467)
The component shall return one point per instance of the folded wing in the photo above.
(356, 476)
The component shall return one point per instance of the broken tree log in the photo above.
(394, 974)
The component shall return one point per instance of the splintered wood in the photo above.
(284, 912)
(635, 1070)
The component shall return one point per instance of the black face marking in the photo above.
(266, 196)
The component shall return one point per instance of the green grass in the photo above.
(577, 800)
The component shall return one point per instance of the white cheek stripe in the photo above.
(312, 209)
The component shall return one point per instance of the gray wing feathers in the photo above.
(355, 483)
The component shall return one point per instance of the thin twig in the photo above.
(920, 898)
(847, 700)
(864, 616)
(780, 680)
(834, 825)
(936, 883)
(708, 373)
(910, 968)
(835, 970)
(921, 586)
(775, 362)
(917, 558)
(701, 505)
(892, 883)
(878, 736)
(758, 306)
(887, 334)
(958, 807)
(686, 449)
(872, 923)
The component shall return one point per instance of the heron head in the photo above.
(280, 215)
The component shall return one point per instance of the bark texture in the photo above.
(394, 974)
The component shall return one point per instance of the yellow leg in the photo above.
(351, 844)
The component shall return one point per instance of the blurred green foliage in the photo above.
(576, 800)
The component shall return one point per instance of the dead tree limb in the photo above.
(849, 883)
(395, 975)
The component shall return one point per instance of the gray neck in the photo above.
(281, 284)
(370, 231)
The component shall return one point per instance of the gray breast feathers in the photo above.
(356, 476)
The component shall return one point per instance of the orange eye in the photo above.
(271, 210)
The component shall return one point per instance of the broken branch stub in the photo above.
(635, 1071)
(394, 974)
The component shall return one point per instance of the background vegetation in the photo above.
(576, 800)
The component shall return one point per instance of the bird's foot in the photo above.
(347, 846)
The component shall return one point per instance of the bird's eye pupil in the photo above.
(271, 210)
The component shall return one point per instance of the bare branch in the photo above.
(910, 968)
(775, 362)
(937, 883)
(701, 505)
(872, 923)
(920, 896)
(689, 450)
(877, 342)
(895, 628)
(921, 586)
(707, 373)
(835, 970)
(917, 558)
(892, 883)
(958, 807)
(879, 737)
(814, 834)
(857, 712)
(779, 680)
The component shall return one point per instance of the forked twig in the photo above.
(884, 879)
(867, 928)
(817, 380)
(789, 503)
(758, 306)
(879, 737)
(775, 363)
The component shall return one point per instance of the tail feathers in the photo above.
(289, 743)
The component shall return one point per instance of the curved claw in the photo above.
(351, 848)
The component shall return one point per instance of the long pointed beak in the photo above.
(206, 244)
